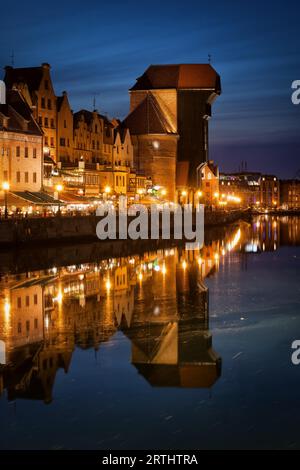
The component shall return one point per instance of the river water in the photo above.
(158, 349)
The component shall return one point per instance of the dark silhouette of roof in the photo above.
(32, 76)
(180, 76)
(18, 112)
(147, 118)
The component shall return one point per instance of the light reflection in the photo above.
(89, 302)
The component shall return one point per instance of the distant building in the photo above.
(244, 185)
(269, 191)
(208, 183)
(21, 141)
(290, 194)
(170, 106)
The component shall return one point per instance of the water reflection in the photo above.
(158, 299)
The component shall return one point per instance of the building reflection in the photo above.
(159, 300)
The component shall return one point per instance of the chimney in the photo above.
(2, 92)
(45, 65)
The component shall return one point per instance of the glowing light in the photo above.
(59, 297)
(157, 268)
(199, 193)
(163, 192)
(59, 188)
(108, 285)
(233, 198)
(183, 193)
(217, 256)
(216, 195)
(231, 245)
(155, 144)
(156, 310)
(5, 186)
(184, 265)
(7, 308)
(107, 189)
(223, 252)
(140, 276)
(140, 191)
(164, 269)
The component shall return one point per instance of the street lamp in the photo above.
(5, 187)
(59, 188)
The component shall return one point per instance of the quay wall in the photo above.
(76, 228)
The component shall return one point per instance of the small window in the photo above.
(19, 302)
(62, 142)
(40, 120)
(65, 124)
(18, 151)
(49, 104)
(35, 323)
(26, 152)
(34, 153)
(26, 176)
(35, 299)
(52, 123)
(43, 105)
(34, 177)
(27, 325)
(18, 177)
(52, 141)
(19, 327)
(46, 122)
(27, 300)
(46, 141)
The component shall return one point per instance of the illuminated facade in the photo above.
(20, 145)
(170, 106)
(35, 85)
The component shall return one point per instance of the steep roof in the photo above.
(180, 76)
(88, 116)
(17, 110)
(32, 76)
(147, 118)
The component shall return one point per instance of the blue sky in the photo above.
(99, 48)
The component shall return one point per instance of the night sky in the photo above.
(100, 47)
